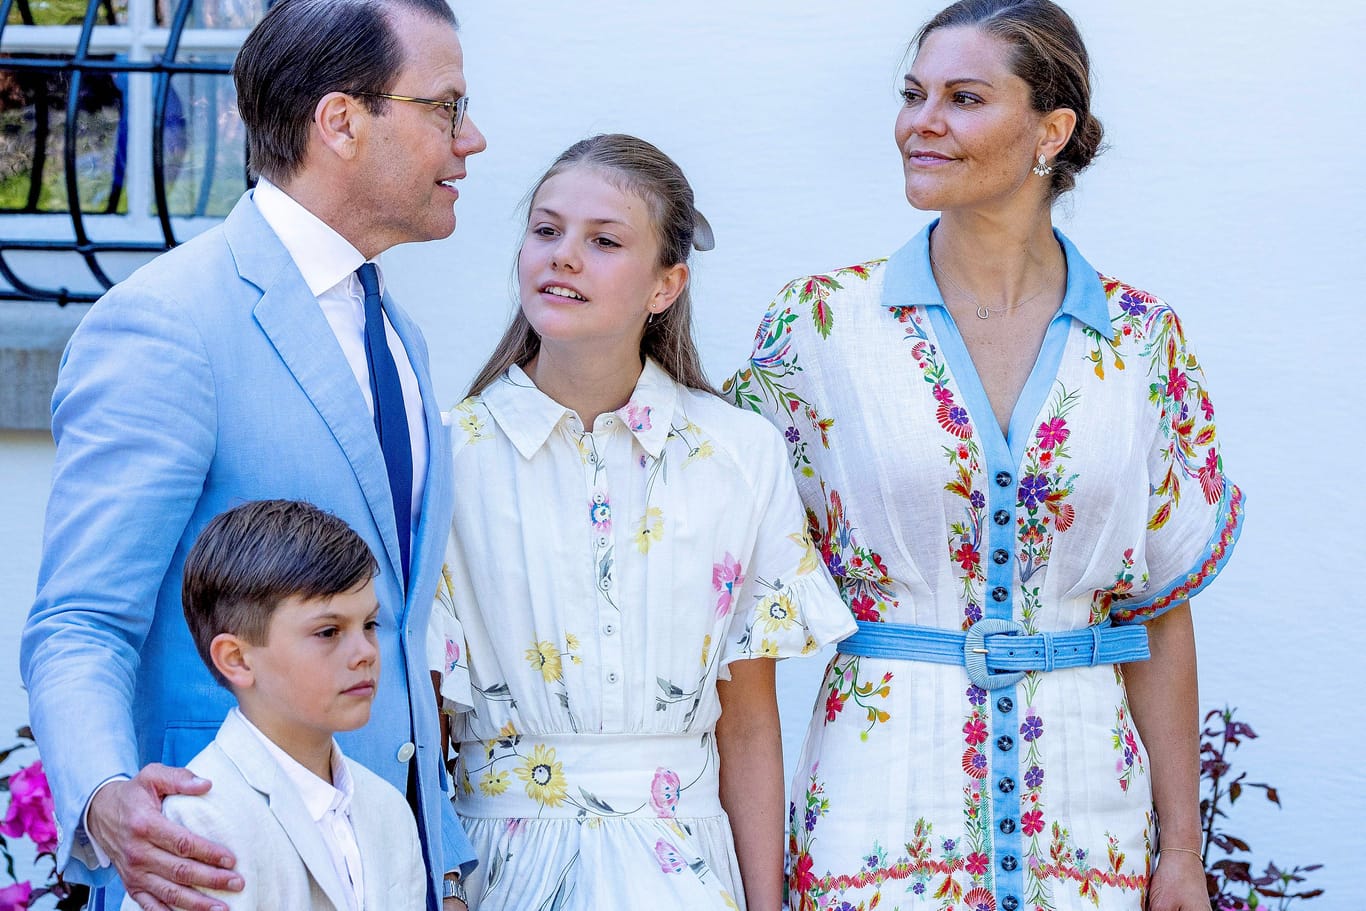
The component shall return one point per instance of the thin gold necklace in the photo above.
(983, 311)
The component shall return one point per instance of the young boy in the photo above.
(281, 604)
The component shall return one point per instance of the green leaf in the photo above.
(823, 316)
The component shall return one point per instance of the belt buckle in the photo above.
(975, 653)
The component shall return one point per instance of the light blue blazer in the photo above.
(208, 378)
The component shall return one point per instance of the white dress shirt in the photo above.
(329, 806)
(328, 264)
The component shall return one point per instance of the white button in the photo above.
(609, 422)
(406, 752)
(599, 498)
(602, 540)
(612, 677)
(608, 629)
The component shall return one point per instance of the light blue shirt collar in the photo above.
(910, 282)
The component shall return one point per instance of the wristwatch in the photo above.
(452, 886)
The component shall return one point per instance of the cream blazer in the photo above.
(254, 811)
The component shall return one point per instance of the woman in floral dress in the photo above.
(1010, 467)
(628, 553)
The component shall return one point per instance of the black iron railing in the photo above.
(83, 72)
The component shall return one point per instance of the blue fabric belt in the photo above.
(997, 653)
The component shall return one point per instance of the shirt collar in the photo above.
(322, 256)
(318, 796)
(910, 281)
(527, 415)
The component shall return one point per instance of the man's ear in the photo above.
(338, 120)
(232, 657)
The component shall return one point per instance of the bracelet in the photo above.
(1165, 849)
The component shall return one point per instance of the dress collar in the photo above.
(910, 281)
(527, 415)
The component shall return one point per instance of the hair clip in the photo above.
(702, 238)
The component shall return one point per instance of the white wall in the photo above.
(1234, 187)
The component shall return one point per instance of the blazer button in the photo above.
(999, 594)
(1006, 785)
(1000, 556)
(1001, 517)
(1005, 705)
(1005, 743)
(1007, 826)
(1009, 863)
(1009, 903)
(1003, 479)
(406, 752)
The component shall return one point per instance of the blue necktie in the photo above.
(391, 420)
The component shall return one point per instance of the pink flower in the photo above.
(725, 577)
(16, 897)
(976, 863)
(668, 856)
(1176, 384)
(974, 763)
(974, 731)
(864, 608)
(637, 417)
(30, 809)
(1053, 433)
(452, 655)
(1032, 822)
(664, 792)
(1211, 477)
(833, 705)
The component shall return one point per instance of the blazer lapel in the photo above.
(378, 845)
(261, 771)
(437, 501)
(289, 316)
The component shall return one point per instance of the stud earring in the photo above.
(1042, 169)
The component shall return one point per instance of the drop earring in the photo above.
(1042, 169)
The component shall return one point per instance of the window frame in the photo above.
(150, 56)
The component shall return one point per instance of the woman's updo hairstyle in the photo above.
(1050, 57)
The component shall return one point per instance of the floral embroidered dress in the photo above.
(1106, 503)
(599, 582)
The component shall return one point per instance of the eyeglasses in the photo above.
(456, 107)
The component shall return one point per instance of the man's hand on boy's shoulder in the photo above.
(161, 863)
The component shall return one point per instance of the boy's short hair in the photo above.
(251, 558)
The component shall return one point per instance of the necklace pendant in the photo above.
(982, 312)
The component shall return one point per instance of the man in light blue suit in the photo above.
(259, 360)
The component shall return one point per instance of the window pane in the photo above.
(205, 145)
(65, 12)
(214, 13)
(33, 140)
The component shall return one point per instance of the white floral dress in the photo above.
(1105, 503)
(598, 584)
